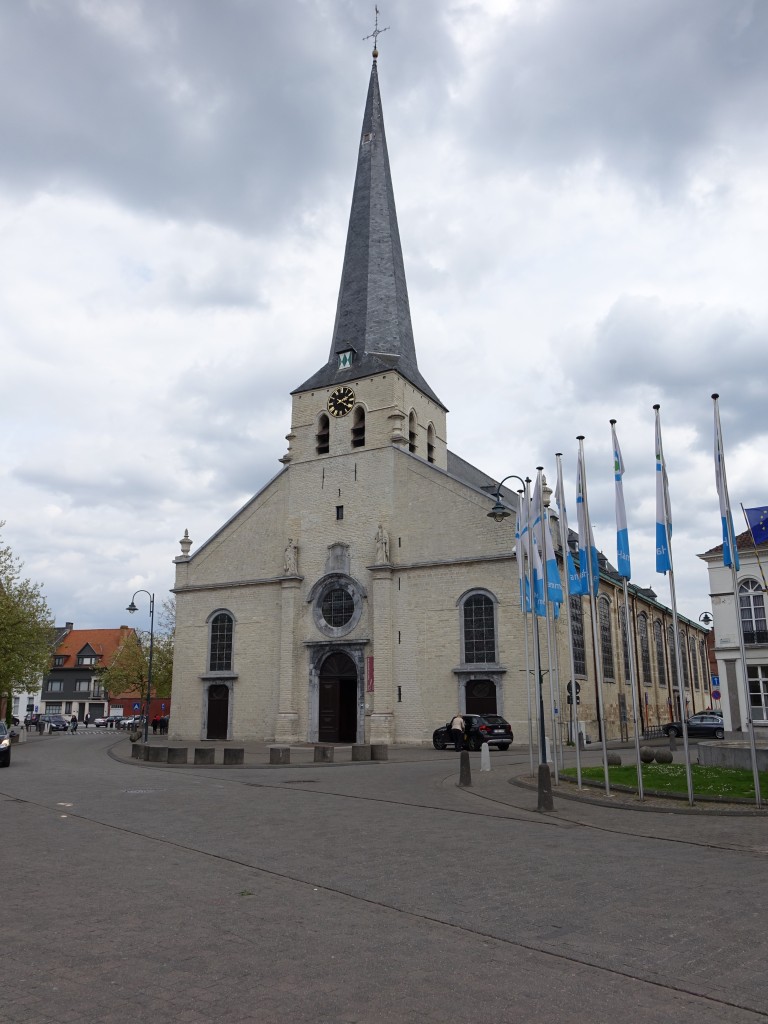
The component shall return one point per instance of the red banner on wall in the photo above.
(369, 675)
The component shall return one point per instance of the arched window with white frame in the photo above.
(220, 641)
(752, 608)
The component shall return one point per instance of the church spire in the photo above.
(372, 333)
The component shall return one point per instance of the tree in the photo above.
(127, 674)
(26, 629)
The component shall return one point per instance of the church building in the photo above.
(363, 594)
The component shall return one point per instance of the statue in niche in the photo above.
(291, 558)
(382, 546)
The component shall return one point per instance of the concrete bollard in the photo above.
(234, 755)
(137, 751)
(324, 754)
(205, 755)
(672, 742)
(485, 758)
(546, 803)
(279, 755)
(177, 755)
(157, 754)
(465, 772)
(361, 752)
(613, 760)
(646, 754)
(379, 752)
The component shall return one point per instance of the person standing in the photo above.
(73, 724)
(457, 732)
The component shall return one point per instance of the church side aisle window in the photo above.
(220, 659)
(645, 651)
(625, 645)
(672, 657)
(694, 662)
(479, 630)
(606, 640)
(322, 439)
(577, 636)
(661, 665)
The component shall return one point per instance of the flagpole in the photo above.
(662, 469)
(542, 526)
(624, 572)
(734, 579)
(593, 613)
(520, 554)
(536, 646)
(567, 602)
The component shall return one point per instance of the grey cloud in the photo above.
(643, 86)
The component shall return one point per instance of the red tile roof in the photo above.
(744, 542)
(105, 642)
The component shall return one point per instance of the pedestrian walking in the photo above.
(155, 723)
(73, 724)
(87, 718)
(457, 731)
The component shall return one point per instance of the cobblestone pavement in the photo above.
(364, 892)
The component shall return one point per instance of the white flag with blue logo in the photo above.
(622, 534)
(554, 587)
(722, 493)
(574, 579)
(521, 537)
(587, 549)
(663, 518)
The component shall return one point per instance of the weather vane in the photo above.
(375, 34)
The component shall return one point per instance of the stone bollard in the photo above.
(234, 755)
(485, 758)
(157, 754)
(324, 754)
(379, 752)
(672, 742)
(205, 755)
(361, 752)
(613, 760)
(646, 754)
(137, 751)
(465, 772)
(279, 755)
(177, 755)
(546, 803)
(664, 757)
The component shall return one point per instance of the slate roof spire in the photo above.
(373, 317)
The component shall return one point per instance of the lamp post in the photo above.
(499, 513)
(132, 608)
(705, 619)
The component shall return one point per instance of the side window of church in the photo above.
(221, 643)
(479, 630)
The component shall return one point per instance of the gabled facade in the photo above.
(363, 594)
(73, 686)
(745, 613)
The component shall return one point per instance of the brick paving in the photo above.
(363, 892)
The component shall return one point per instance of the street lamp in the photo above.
(706, 619)
(499, 513)
(132, 608)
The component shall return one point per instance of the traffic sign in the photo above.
(569, 688)
(715, 695)
(136, 707)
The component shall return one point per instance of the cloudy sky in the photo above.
(583, 206)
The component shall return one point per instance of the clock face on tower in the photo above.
(340, 401)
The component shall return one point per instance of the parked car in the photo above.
(478, 729)
(707, 724)
(5, 746)
(100, 723)
(58, 723)
(134, 722)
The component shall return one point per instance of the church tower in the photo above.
(370, 393)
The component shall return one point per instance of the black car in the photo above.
(478, 729)
(5, 746)
(58, 723)
(706, 723)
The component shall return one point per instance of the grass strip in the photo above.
(708, 780)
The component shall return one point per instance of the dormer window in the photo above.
(87, 659)
(358, 428)
(58, 660)
(323, 434)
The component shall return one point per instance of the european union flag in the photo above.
(758, 523)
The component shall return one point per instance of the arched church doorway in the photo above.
(337, 700)
(218, 712)
(481, 697)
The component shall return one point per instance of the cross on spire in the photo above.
(376, 33)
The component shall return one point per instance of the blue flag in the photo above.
(758, 523)
(622, 534)
(663, 524)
